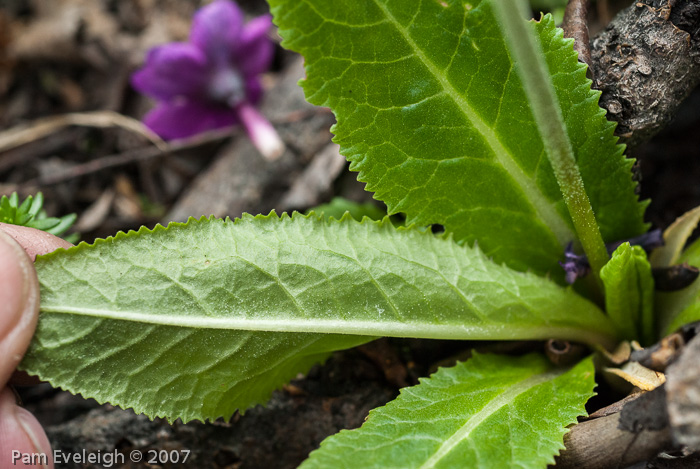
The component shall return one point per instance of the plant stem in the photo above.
(533, 71)
(261, 132)
(575, 26)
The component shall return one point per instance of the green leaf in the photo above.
(491, 411)
(432, 115)
(681, 307)
(60, 225)
(35, 205)
(8, 211)
(629, 293)
(675, 237)
(548, 4)
(337, 207)
(690, 313)
(24, 211)
(199, 319)
(531, 67)
(29, 213)
(45, 223)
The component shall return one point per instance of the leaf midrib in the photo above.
(544, 208)
(495, 331)
(497, 403)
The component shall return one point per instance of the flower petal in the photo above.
(254, 52)
(574, 265)
(253, 90)
(182, 120)
(648, 241)
(171, 70)
(216, 29)
(261, 132)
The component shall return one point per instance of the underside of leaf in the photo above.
(200, 319)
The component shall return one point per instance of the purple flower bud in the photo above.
(648, 241)
(577, 266)
(574, 265)
(211, 81)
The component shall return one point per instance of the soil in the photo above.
(115, 179)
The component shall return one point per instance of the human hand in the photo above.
(19, 313)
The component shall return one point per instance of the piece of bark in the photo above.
(683, 389)
(691, 461)
(586, 450)
(637, 433)
(240, 180)
(661, 420)
(660, 355)
(613, 408)
(646, 62)
(646, 413)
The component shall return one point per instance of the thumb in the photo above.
(19, 307)
(23, 442)
(20, 433)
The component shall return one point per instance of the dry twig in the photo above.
(40, 128)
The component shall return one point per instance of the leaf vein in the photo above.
(544, 207)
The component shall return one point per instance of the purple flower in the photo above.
(577, 266)
(574, 265)
(211, 81)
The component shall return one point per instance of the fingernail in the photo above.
(15, 269)
(21, 437)
(36, 436)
